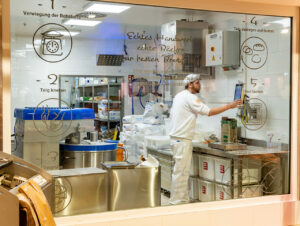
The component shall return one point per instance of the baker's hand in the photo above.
(235, 103)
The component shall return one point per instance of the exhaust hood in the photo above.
(188, 39)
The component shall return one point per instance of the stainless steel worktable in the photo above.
(274, 168)
(250, 151)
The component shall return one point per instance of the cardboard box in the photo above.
(228, 130)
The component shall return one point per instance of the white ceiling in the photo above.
(136, 15)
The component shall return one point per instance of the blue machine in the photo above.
(51, 113)
(38, 132)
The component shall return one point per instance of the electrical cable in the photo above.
(125, 46)
(156, 91)
(16, 140)
(244, 118)
(245, 115)
(140, 94)
(132, 107)
(140, 97)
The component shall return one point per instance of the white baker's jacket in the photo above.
(186, 107)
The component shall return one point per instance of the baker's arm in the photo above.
(218, 110)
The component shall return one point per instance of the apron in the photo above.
(182, 155)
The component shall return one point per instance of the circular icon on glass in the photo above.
(62, 194)
(52, 121)
(254, 52)
(52, 42)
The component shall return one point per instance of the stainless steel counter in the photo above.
(79, 191)
(130, 188)
(274, 166)
(166, 162)
(250, 151)
(254, 171)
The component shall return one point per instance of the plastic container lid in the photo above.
(88, 147)
(112, 141)
(32, 113)
(118, 165)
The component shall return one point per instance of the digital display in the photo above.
(238, 91)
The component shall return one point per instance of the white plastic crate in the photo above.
(222, 192)
(206, 191)
(223, 170)
(194, 188)
(194, 171)
(206, 167)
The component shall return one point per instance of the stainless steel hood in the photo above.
(183, 47)
(186, 40)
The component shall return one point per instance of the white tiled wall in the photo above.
(27, 67)
(275, 75)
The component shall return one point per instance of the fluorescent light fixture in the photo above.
(284, 22)
(29, 46)
(284, 31)
(73, 33)
(65, 33)
(92, 16)
(37, 42)
(89, 23)
(106, 8)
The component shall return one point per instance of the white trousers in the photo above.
(182, 155)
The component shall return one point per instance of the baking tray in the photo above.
(227, 146)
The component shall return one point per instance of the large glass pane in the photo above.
(89, 75)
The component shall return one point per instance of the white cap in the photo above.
(191, 78)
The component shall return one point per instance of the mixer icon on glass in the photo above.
(52, 43)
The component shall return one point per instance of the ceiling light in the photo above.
(64, 33)
(29, 46)
(284, 22)
(37, 42)
(106, 8)
(92, 16)
(284, 31)
(89, 23)
(73, 33)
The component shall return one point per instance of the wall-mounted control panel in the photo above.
(223, 49)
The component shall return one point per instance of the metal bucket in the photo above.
(83, 158)
(94, 136)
